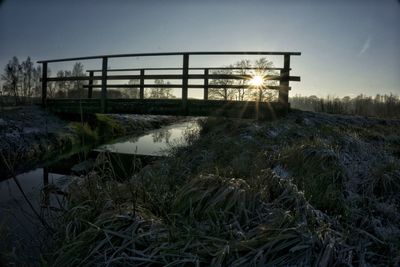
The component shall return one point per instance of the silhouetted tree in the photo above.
(36, 84)
(222, 93)
(130, 92)
(12, 78)
(27, 77)
(243, 65)
(77, 71)
(61, 86)
(22, 80)
(160, 92)
(261, 93)
(51, 86)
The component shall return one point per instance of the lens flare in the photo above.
(257, 80)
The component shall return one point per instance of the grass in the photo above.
(221, 201)
(316, 171)
(103, 127)
(385, 181)
(212, 220)
(85, 132)
(107, 127)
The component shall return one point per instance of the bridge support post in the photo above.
(90, 85)
(141, 93)
(206, 84)
(104, 85)
(185, 81)
(44, 84)
(284, 82)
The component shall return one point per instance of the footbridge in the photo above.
(209, 79)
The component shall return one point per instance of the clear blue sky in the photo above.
(348, 47)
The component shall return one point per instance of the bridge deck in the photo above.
(195, 107)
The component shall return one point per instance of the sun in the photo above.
(257, 80)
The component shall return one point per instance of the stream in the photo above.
(19, 225)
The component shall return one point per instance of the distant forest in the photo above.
(21, 85)
(385, 106)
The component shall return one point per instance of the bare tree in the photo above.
(36, 84)
(63, 87)
(240, 92)
(77, 71)
(243, 65)
(262, 92)
(130, 92)
(51, 86)
(27, 74)
(225, 93)
(160, 92)
(12, 77)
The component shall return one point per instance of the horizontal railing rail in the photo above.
(208, 76)
(172, 77)
(198, 86)
(254, 53)
(209, 68)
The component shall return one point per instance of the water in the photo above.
(155, 143)
(16, 215)
(19, 224)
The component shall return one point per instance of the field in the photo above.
(309, 189)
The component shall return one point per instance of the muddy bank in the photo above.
(30, 135)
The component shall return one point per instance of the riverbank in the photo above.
(30, 135)
(309, 189)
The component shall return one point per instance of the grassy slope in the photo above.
(307, 189)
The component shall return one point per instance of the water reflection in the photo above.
(19, 216)
(155, 143)
(44, 187)
(162, 136)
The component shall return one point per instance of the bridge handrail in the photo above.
(174, 54)
(172, 77)
(198, 68)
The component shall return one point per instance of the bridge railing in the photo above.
(142, 75)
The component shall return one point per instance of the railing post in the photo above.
(104, 85)
(90, 85)
(142, 84)
(185, 80)
(284, 81)
(44, 84)
(206, 84)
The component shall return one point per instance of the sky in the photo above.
(348, 47)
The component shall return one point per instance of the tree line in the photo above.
(21, 83)
(21, 80)
(385, 106)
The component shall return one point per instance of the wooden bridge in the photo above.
(183, 106)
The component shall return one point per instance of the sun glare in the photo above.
(257, 80)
